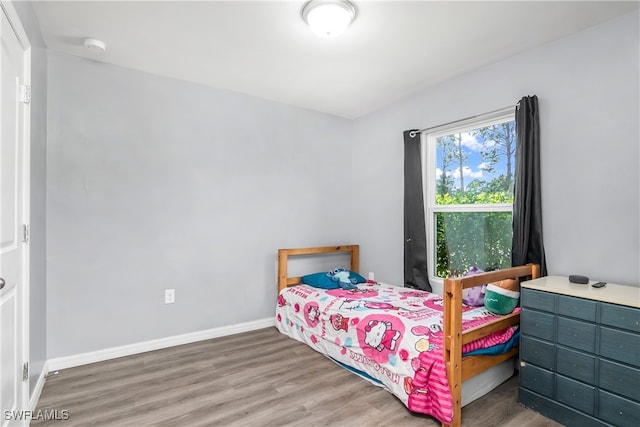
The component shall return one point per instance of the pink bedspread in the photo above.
(391, 334)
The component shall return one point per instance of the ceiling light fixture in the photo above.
(328, 18)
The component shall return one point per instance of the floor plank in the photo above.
(258, 378)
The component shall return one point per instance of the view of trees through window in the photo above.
(474, 177)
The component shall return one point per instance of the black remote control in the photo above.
(599, 284)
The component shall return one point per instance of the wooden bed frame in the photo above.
(459, 368)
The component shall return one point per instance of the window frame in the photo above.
(428, 153)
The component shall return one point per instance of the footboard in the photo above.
(459, 368)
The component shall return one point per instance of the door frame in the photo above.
(24, 295)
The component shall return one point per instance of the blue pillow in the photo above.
(323, 279)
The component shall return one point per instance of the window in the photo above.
(469, 175)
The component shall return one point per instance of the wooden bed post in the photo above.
(535, 271)
(282, 269)
(453, 345)
(355, 258)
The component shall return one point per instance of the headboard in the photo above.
(283, 258)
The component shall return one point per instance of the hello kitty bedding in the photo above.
(390, 335)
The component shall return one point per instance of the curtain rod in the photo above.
(413, 133)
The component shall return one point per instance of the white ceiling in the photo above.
(263, 48)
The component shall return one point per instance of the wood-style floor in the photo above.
(259, 378)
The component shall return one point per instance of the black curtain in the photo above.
(527, 245)
(415, 237)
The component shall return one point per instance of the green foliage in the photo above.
(467, 239)
(442, 249)
(471, 198)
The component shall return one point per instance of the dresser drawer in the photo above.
(620, 346)
(536, 379)
(538, 300)
(577, 334)
(576, 365)
(575, 394)
(559, 412)
(620, 379)
(537, 324)
(577, 307)
(618, 411)
(538, 352)
(620, 316)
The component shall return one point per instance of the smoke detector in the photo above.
(95, 45)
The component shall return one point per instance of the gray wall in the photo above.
(155, 183)
(588, 87)
(37, 254)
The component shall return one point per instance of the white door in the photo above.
(13, 254)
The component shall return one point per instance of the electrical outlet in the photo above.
(169, 296)
(371, 275)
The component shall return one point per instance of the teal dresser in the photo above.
(580, 352)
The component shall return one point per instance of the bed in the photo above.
(419, 346)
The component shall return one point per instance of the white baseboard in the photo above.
(35, 396)
(141, 347)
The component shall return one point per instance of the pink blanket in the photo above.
(391, 334)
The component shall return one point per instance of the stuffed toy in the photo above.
(502, 297)
(341, 276)
(510, 284)
(474, 297)
(332, 279)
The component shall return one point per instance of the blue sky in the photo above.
(473, 168)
